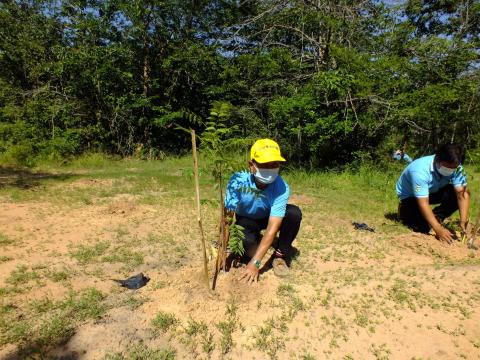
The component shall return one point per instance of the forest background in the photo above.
(334, 82)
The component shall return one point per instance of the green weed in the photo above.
(227, 327)
(124, 255)
(163, 321)
(4, 240)
(21, 275)
(197, 332)
(381, 352)
(86, 254)
(269, 341)
(49, 323)
(57, 276)
(142, 352)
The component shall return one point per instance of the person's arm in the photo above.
(443, 234)
(463, 200)
(252, 272)
(407, 158)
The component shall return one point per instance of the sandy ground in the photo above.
(350, 294)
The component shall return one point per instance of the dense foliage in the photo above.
(332, 81)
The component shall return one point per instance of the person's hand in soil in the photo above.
(445, 235)
(251, 273)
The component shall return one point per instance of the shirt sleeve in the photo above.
(232, 195)
(407, 158)
(279, 205)
(459, 177)
(419, 185)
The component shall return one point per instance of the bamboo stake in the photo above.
(224, 232)
(221, 237)
(199, 213)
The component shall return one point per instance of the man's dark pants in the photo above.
(410, 215)
(288, 231)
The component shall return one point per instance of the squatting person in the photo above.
(258, 197)
(435, 179)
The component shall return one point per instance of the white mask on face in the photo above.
(444, 171)
(266, 176)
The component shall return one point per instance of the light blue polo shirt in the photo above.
(420, 178)
(247, 200)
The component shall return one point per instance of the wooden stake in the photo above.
(224, 229)
(199, 213)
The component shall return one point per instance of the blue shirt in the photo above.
(247, 200)
(420, 178)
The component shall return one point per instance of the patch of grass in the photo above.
(268, 341)
(42, 305)
(227, 327)
(402, 293)
(142, 352)
(285, 290)
(132, 301)
(46, 323)
(126, 256)
(163, 321)
(381, 352)
(21, 275)
(58, 275)
(4, 258)
(197, 332)
(4, 240)
(291, 303)
(85, 254)
(195, 327)
(86, 305)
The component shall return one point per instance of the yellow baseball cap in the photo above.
(265, 150)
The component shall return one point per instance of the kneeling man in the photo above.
(259, 197)
(435, 179)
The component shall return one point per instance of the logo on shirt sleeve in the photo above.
(417, 188)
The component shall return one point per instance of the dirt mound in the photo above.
(428, 245)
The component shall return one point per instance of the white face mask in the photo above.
(444, 171)
(266, 176)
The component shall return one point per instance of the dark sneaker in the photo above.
(280, 267)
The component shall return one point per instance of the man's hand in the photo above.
(251, 273)
(463, 226)
(444, 234)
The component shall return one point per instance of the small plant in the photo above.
(285, 290)
(164, 321)
(195, 327)
(268, 341)
(227, 327)
(5, 259)
(381, 352)
(235, 240)
(4, 240)
(48, 323)
(57, 276)
(86, 254)
(197, 332)
(126, 256)
(21, 275)
(400, 293)
(141, 352)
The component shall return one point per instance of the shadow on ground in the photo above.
(393, 216)
(25, 178)
(35, 351)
